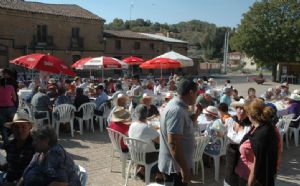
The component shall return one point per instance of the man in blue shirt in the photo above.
(101, 96)
(226, 96)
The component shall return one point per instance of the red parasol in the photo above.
(80, 63)
(43, 62)
(132, 60)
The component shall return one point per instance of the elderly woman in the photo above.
(121, 101)
(141, 130)
(214, 129)
(51, 165)
(257, 164)
(120, 122)
(237, 126)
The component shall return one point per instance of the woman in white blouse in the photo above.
(237, 126)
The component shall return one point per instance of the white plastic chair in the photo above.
(201, 143)
(87, 115)
(31, 109)
(295, 131)
(102, 119)
(63, 113)
(115, 138)
(138, 149)
(81, 172)
(218, 156)
(283, 129)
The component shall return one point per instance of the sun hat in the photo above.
(211, 110)
(169, 95)
(270, 90)
(239, 103)
(121, 114)
(19, 117)
(296, 91)
(295, 97)
(209, 92)
(52, 81)
(285, 84)
(146, 96)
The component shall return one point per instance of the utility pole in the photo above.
(225, 56)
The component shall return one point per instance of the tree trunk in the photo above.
(274, 71)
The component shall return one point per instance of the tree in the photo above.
(270, 32)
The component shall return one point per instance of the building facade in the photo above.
(66, 31)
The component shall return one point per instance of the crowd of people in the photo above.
(34, 156)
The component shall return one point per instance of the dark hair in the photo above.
(251, 89)
(67, 81)
(228, 81)
(223, 107)
(235, 90)
(79, 91)
(61, 91)
(100, 86)
(141, 112)
(46, 132)
(184, 86)
(118, 86)
(136, 77)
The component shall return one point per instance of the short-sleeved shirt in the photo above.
(225, 99)
(176, 119)
(18, 158)
(57, 166)
(101, 99)
(143, 132)
(203, 102)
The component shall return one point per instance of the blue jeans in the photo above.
(6, 115)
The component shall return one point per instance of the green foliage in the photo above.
(270, 32)
(205, 40)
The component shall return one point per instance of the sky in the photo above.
(220, 12)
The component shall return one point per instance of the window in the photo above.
(137, 46)
(75, 58)
(118, 44)
(42, 33)
(151, 46)
(75, 32)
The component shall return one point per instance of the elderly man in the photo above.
(205, 100)
(177, 141)
(19, 150)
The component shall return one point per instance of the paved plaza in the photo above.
(93, 151)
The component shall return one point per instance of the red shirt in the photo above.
(6, 96)
(122, 128)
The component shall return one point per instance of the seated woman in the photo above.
(223, 110)
(141, 130)
(121, 101)
(120, 122)
(51, 165)
(214, 129)
(152, 109)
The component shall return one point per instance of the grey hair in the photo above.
(141, 112)
(46, 132)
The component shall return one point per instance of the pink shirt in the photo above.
(6, 96)
(246, 160)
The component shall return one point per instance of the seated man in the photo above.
(41, 102)
(19, 150)
(79, 100)
(152, 109)
(205, 100)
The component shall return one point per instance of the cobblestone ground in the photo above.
(93, 151)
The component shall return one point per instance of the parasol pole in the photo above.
(102, 75)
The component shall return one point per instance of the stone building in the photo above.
(66, 31)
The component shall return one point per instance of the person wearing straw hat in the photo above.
(120, 121)
(120, 101)
(237, 126)
(214, 129)
(294, 108)
(152, 109)
(19, 150)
